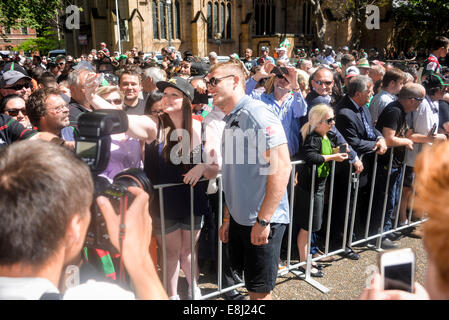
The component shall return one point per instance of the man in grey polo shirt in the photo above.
(256, 168)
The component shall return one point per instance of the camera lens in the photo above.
(134, 177)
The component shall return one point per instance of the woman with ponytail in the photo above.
(319, 148)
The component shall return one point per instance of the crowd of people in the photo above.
(187, 117)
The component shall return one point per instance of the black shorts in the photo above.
(259, 263)
(409, 176)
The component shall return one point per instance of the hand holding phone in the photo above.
(343, 148)
(397, 268)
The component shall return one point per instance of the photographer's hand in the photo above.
(135, 247)
(375, 292)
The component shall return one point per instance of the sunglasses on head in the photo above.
(19, 87)
(15, 112)
(214, 81)
(417, 99)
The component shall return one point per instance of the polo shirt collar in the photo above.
(237, 107)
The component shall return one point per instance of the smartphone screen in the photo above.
(398, 270)
(399, 276)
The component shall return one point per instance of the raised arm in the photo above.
(139, 127)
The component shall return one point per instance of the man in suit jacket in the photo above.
(354, 122)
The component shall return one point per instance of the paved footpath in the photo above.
(344, 278)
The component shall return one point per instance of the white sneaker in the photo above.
(197, 294)
(174, 297)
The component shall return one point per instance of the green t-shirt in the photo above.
(326, 149)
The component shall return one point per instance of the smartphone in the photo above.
(343, 149)
(397, 268)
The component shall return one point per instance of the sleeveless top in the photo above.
(176, 198)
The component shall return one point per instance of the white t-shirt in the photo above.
(421, 121)
(34, 288)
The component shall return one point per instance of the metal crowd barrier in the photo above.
(353, 179)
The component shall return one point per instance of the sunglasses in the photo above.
(15, 112)
(417, 99)
(114, 101)
(19, 87)
(327, 83)
(329, 121)
(214, 81)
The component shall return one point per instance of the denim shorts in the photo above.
(259, 263)
(175, 224)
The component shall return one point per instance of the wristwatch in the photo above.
(262, 222)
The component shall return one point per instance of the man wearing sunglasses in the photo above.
(423, 131)
(255, 192)
(393, 126)
(15, 82)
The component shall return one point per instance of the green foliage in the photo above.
(421, 20)
(35, 14)
(48, 41)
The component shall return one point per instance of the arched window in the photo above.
(228, 21)
(166, 19)
(209, 21)
(265, 17)
(219, 19)
(178, 20)
(162, 19)
(156, 34)
(222, 19)
(215, 14)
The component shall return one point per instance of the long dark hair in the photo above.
(166, 122)
(153, 97)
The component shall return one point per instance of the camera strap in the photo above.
(122, 232)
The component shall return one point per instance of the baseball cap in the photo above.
(178, 83)
(363, 63)
(352, 71)
(282, 49)
(10, 77)
(435, 80)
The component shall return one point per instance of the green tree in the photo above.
(35, 14)
(48, 41)
(419, 21)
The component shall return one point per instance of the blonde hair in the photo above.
(432, 192)
(303, 77)
(234, 67)
(105, 90)
(316, 114)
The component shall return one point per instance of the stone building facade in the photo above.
(201, 26)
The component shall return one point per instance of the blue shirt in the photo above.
(293, 108)
(251, 129)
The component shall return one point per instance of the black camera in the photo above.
(280, 71)
(93, 146)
